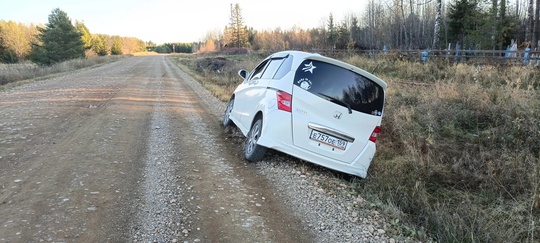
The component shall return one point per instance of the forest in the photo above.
(59, 40)
(390, 24)
(398, 25)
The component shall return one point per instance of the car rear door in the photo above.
(250, 96)
(335, 110)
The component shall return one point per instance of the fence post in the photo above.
(424, 56)
(526, 55)
(458, 47)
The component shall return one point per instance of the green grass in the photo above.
(458, 158)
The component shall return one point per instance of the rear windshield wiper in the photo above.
(334, 100)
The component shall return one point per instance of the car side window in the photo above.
(284, 68)
(272, 67)
(258, 71)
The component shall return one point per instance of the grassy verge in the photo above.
(460, 149)
(218, 74)
(459, 154)
(10, 73)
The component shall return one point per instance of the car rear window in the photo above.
(341, 86)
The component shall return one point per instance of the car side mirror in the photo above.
(243, 73)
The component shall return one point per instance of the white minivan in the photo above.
(312, 107)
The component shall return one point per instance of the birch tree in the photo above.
(437, 26)
(529, 26)
(536, 26)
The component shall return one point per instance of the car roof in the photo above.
(318, 57)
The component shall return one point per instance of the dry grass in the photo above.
(10, 73)
(459, 154)
(218, 74)
(460, 150)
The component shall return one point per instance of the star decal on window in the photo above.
(309, 67)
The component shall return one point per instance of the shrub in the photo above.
(8, 55)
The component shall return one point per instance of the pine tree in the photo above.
(332, 32)
(59, 40)
(462, 15)
(343, 35)
(86, 36)
(7, 55)
(116, 48)
(356, 34)
(237, 31)
(99, 45)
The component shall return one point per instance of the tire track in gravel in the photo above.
(161, 214)
(69, 174)
(128, 151)
(211, 195)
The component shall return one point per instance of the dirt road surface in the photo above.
(128, 152)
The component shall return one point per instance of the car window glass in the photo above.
(258, 71)
(271, 68)
(284, 68)
(340, 86)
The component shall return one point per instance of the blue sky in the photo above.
(164, 21)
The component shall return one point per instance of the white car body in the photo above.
(302, 108)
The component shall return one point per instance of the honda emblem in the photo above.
(337, 115)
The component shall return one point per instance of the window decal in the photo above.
(376, 113)
(304, 83)
(309, 67)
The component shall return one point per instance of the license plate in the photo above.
(328, 139)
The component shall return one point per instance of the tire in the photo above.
(226, 116)
(252, 150)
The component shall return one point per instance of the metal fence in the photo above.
(474, 56)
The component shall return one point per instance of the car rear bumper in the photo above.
(358, 167)
(280, 138)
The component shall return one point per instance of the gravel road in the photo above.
(134, 151)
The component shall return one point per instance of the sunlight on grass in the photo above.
(459, 154)
(11, 73)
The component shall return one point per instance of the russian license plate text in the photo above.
(328, 139)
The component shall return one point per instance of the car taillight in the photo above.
(284, 101)
(375, 134)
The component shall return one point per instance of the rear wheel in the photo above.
(253, 151)
(226, 116)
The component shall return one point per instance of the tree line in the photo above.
(390, 24)
(59, 40)
(397, 24)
